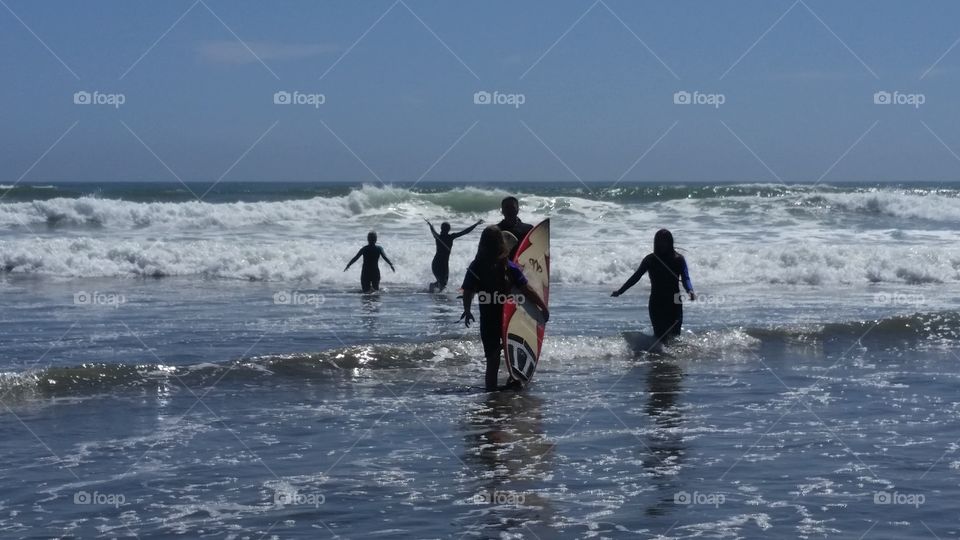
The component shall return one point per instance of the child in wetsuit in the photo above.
(370, 272)
(441, 261)
(666, 268)
(492, 277)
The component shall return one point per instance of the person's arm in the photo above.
(432, 230)
(530, 294)
(467, 317)
(468, 230)
(354, 259)
(633, 279)
(685, 278)
(384, 255)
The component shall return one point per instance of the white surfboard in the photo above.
(523, 325)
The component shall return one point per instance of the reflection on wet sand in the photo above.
(370, 310)
(508, 454)
(664, 445)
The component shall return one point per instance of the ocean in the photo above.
(192, 361)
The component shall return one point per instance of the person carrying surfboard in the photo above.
(510, 208)
(492, 278)
(666, 268)
(370, 272)
(441, 260)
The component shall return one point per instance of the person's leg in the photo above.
(375, 281)
(655, 319)
(364, 282)
(492, 345)
(662, 316)
(443, 276)
(678, 319)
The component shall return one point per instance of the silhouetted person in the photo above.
(666, 268)
(510, 208)
(441, 261)
(370, 272)
(493, 278)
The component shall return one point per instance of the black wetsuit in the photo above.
(516, 228)
(370, 272)
(441, 260)
(490, 286)
(666, 305)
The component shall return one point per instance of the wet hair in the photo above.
(510, 200)
(372, 237)
(444, 227)
(663, 244)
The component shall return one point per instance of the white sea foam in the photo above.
(727, 240)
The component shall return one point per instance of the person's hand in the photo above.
(693, 296)
(346, 268)
(615, 294)
(467, 318)
(392, 268)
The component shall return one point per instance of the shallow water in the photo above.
(289, 406)
(179, 413)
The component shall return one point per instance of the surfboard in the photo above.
(523, 326)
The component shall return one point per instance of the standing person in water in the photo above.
(666, 268)
(441, 261)
(510, 208)
(370, 274)
(492, 278)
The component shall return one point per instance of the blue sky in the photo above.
(597, 82)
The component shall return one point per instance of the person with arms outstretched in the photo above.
(441, 261)
(370, 272)
(492, 278)
(667, 269)
(510, 208)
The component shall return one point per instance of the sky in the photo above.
(428, 90)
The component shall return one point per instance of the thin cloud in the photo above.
(236, 53)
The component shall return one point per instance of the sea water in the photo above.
(175, 367)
